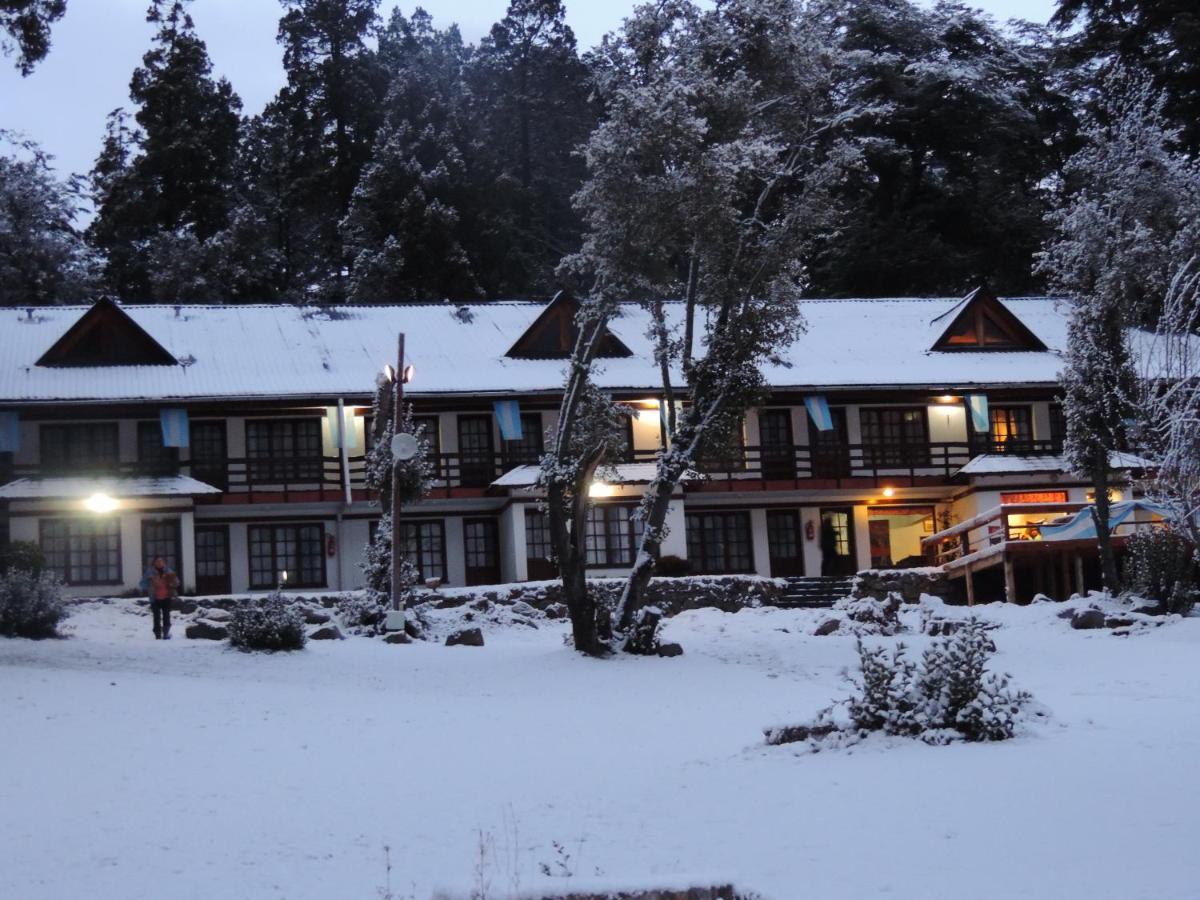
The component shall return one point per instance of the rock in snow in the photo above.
(467, 637)
(208, 631)
(1088, 618)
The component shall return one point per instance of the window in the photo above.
(1012, 429)
(612, 535)
(538, 544)
(1058, 427)
(985, 323)
(160, 537)
(526, 450)
(424, 545)
(285, 450)
(210, 456)
(153, 457)
(76, 448)
(298, 550)
(719, 542)
(83, 551)
(894, 438)
(427, 429)
(476, 460)
(778, 448)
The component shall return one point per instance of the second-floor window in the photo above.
(284, 451)
(526, 450)
(427, 427)
(80, 447)
(1058, 427)
(894, 437)
(153, 457)
(1012, 428)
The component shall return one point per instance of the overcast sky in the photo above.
(63, 104)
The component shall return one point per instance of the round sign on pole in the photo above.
(404, 447)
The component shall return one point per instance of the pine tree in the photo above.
(43, 258)
(403, 233)
(326, 117)
(168, 183)
(26, 29)
(530, 98)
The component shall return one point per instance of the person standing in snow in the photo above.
(161, 585)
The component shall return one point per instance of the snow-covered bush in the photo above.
(948, 696)
(867, 615)
(1160, 566)
(26, 556)
(30, 604)
(270, 623)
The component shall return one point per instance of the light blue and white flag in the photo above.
(10, 432)
(818, 411)
(978, 405)
(343, 425)
(174, 427)
(508, 417)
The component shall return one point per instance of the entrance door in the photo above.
(778, 447)
(212, 559)
(784, 543)
(481, 548)
(476, 457)
(830, 449)
(160, 537)
(837, 542)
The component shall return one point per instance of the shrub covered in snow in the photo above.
(26, 556)
(272, 622)
(948, 695)
(867, 615)
(1160, 566)
(30, 604)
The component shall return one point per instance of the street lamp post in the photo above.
(403, 448)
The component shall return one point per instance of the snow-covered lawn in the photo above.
(134, 768)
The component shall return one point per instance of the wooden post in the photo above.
(1010, 581)
(396, 621)
(1079, 574)
(970, 586)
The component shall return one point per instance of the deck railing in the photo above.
(746, 468)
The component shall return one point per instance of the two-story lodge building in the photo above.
(231, 440)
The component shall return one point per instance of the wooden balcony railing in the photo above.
(772, 467)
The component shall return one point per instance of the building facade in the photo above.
(232, 440)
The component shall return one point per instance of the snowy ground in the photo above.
(135, 768)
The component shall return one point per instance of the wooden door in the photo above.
(476, 454)
(481, 549)
(785, 543)
(212, 559)
(830, 449)
(777, 444)
(838, 555)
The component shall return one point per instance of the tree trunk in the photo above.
(1100, 514)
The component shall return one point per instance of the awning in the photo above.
(80, 488)
(1083, 527)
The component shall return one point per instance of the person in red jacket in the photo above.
(161, 586)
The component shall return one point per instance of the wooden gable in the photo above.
(554, 332)
(981, 322)
(105, 335)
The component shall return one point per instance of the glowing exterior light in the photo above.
(410, 372)
(389, 373)
(283, 577)
(100, 503)
(947, 398)
(601, 489)
(889, 492)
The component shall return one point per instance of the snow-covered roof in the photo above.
(622, 473)
(1012, 464)
(79, 488)
(283, 351)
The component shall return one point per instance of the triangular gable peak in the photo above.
(981, 322)
(105, 335)
(553, 333)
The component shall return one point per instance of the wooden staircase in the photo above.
(815, 591)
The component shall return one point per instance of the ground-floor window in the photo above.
(83, 551)
(424, 544)
(719, 542)
(160, 537)
(298, 550)
(539, 547)
(613, 533)
(896, 532)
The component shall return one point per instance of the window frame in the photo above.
(419, 562)
(295, 579)
(67, 571)
(69, 439)
(282, 464)
(1019, 414)
(621, 533)
(153, 457)
(702, 562)
(878, 452)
